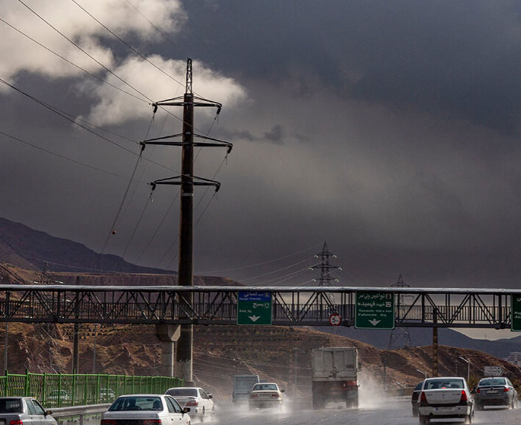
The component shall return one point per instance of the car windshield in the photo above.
(11, 405)
(265, 387)
(434, 384)
(491, 381)
(182, 392)
(137, 403)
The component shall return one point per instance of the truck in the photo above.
(335, 376)
(242, 385)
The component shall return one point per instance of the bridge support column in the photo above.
(168, 335)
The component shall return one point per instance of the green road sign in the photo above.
(515, 313)
(254, 308)
(374, 310)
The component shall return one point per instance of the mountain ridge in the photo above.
(32, 249)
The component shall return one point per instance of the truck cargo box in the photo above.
(335, 363)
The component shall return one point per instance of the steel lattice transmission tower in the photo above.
(399, 337)
(325, 270)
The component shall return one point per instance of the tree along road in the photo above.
(373, 411)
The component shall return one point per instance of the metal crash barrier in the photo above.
(79, 412)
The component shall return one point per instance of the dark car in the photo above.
(414, 399)
(495, 391)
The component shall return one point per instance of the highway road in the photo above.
(381, 411)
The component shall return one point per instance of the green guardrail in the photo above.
(62, 390)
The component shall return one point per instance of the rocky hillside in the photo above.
(275, 353)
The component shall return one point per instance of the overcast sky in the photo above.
(388, 129)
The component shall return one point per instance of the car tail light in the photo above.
(423, 398)
(505, 390)
(16, 422)
(275, 396)
(253, 396)
(478, 390)
(464, 397)
(152, 422)
(107, 422)
(192, 403)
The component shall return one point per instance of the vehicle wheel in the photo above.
(414, 412)
(424, 419)
(203, 415)
(468, 419)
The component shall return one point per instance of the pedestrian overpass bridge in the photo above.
(288, 306)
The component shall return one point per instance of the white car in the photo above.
(447, 397)
(266, 394)
(59, 395)
(195, 400)
(145, 408)
(24, 410)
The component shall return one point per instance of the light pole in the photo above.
(295, 367)
(468, 367)
(423, 372)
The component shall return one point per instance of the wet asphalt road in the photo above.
(386, 411)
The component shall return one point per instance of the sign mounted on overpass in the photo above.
(374, 310)
(515, 312)
(254, 308)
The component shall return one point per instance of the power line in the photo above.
(87, 72)
(71, 63)
(64, 157)
(125, 43)
(84, 51)
(262, 263)
(67, 117)
(137, 224)
(276, 271)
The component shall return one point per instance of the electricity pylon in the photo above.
(325, 276)
(187, 181)
(399, 337)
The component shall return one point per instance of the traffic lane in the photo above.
(381, 412)
(372, 412)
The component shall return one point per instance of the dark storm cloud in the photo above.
(447, 57)
(386, 128)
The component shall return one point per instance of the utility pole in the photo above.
(466, 360)
(435, 344)
(187, 181)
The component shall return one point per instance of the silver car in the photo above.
(445, 398)
(495, 391)
(195, 400)
(145, 408)
(18, 410)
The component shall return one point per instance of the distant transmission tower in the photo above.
(325, 268)
(48, 332)
(400, 337)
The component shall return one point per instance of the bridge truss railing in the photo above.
(293, 306)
